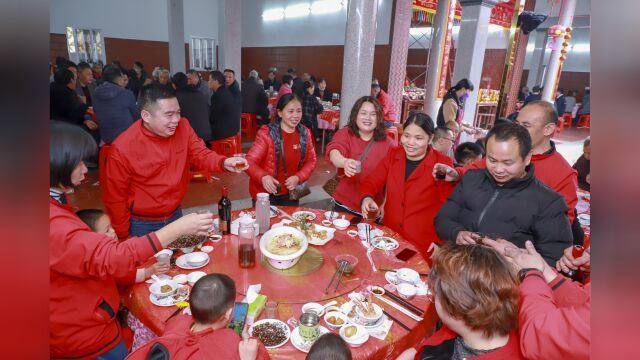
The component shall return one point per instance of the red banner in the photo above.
(501, 14)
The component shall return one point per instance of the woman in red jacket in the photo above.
(413, 195)
(283, 155)
(84, 266)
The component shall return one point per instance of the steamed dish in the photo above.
(284, 244)
(349, 331)
(335, 320)
(165, 288)
(309, 229)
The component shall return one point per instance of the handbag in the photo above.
(332, 184)
(301, 190)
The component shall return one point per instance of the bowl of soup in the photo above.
(283, 246)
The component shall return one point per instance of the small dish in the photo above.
(356, 339)
(352, 233)
(407, 275)
(335, 316)
(384, 243)
(407, 291)
(207, 248)
(327, 215)
(326, 222)
(196, 259)
(215, 238)
(314, 308)
(195, 276)
(371, 320)
(302, 345)
(187, 250)
(298, 215)
(180, 278)
(181, 262)
(341, 224)
(350, 259)
(156, 288)
(376, 290)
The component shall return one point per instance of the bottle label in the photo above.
(223, 225)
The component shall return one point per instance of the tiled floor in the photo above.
(203, 195)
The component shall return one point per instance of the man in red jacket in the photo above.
(148, 165)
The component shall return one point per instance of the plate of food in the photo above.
(183, 262)
(301, 344)
(384, 243)
(273, 333)
(316, 234)
(187, 241)
(181, 294)
(283, 246)
(299, 215)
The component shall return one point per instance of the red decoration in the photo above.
(501, 14)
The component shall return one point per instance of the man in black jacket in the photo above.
(193, 105)
(254, 99)
(223, 115)
(506, 200)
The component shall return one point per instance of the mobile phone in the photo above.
(355, 220)
(240, 310)
(405, 254)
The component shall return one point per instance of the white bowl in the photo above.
(195, 276)
(406, 275)
(207, 248)
(188, 250)
(327, 215)
(197, 258)
(407, 291)
(180, 278)
(313, 307)
(361, 336)
(341, 224)
(282, 262)
(335, 314)
(155, 287)
(370, 321)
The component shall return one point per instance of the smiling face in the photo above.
(291, 115)
(415, 142)
(504, 162)
(163, 117)
(367, 118)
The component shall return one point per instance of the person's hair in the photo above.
(156, 72)
(212, 295)
(463, 84)
(180, 80)
(138, 64)
(561, 90)
(217, 76)
(307, 84)
(536, 89)
(549, 110)
(502, 120)
(193, 72)
(60, 61)
(116, 63)
(151, 93)
(282, 103)
(112, 74)
(506, 132)
(422, 120)
(68, 146)
(306, 77)
(587, 141)
(253, 74)
(83, 65)
(292, 72)
(587, 90)
(466, 151)
(329, 346)
(287, 78)
(90, 217)
(441, 132)
(474, 283)
(379, 132)
(69, 64)
(62, 76)
(375, 86)
(231, 71)
(321, 79)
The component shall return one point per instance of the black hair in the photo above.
(287, 78)
(561, 90)
(502, 120)
(151, 93)
(466, 151)
(321, 79)
(116, 63)
(307, 85)
(284, 100)
(68, 145)
(180, 80)
(422, 120)
(217, 76)
(506, 132)
(587, 141)
(111, 74)
(60, 61)
(193, 71)
(63, 76)
(69, 64)
(536, 89)
(441, 132)
(463, 84)
(83, 65)
(549, 109)
(212, 295)
(329, 346)
(90, 217)
(231, 71)
(138, 64)
(375, 85)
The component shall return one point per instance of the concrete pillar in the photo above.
(399, 49)
(559, 51)
(175, 17)
(472, 42)
(438, 63)
(535, 71)
(359, 46)
(230, 34)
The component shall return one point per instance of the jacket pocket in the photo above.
(103, 310)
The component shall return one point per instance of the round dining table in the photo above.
(291, 291)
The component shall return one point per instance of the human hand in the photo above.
(408, 354)
(434, 248)
(499, 244)
(450, 173)
(247, 347)
(368, 205)
(92, 125)
(157, 268)
(465, 238)
(83, 99)
(270, 184)
(527, 258)
(230, 164)
(193, 223)
(567, 262)
(349, 167)
(291, 182)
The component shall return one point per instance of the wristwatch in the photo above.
(523, 272)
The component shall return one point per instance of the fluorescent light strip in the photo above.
(325, 7)
(273, 14)
(298, 10)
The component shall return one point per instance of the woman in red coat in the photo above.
(273, 170)
(413, 195)
(84, 266)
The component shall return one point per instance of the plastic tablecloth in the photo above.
(292, 291)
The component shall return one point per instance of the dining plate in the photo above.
(585, 219)
(181, 262)
(384, 243)
(302, 345)
(274, 322)
(171, 300)
(300, 214)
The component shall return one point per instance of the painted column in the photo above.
(558, 52)
(359, 46)
(472, 42)
(535, 71)
(175, 20)
(230, 34)
(438, 63)
(399, 50)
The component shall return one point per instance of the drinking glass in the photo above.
(271, 310)
(240, 165)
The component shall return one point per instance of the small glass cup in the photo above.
(358, 166)
(241, 164)
(164, 256)
(271, 310)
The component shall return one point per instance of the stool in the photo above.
(392, 132)
(227, 146)
(584, 121)
(560, 124)
(568, 119)
(248, 125)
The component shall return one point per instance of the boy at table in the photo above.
(205, 334)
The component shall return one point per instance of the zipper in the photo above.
(486, 207)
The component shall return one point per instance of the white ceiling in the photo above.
(583, 7)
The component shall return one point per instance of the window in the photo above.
(85, 45)
(203, 53)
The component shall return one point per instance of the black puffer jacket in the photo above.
(522, 209)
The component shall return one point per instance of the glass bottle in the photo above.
(262, 212)
(224, 212)
(246, 243)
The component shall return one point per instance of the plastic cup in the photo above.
(271, 310)
(358, 166)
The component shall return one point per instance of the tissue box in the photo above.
(256, 307)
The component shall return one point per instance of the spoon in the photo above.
(330, 303)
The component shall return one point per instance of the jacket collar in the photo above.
(429, 158)
(545, 154)
(514, 183)
(60, 205)
(146, 132)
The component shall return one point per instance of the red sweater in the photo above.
(148, 175)
(553, 170)
(412, 204)
(262, 161)
(207, 344)
(511, 350)
(554, 318)
(352, 146)
(388, 107)
(84, 299)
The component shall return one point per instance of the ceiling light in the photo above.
(273, 14)
(325, 7)
(297, 10)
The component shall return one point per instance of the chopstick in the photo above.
(342, 268)
(414, 309)
(338, 269)
(391, 270)
(397, 321)
(401, 309)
